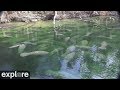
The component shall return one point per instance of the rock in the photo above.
(70, 49)
(95, 13)
(49, 17)
(104, 13)
(34, 20)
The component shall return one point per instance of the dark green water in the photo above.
(73, 33)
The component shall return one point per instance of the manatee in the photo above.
(36, 53)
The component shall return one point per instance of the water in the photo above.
(64, 65)
(80, 68)
(6, 67)
(76, 67)
(41, 52)
(74, 71)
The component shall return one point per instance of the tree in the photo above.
(54, 23)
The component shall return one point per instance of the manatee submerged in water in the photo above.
(34, 53)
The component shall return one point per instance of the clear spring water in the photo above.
(42, 39)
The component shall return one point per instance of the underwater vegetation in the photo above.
(81, 50)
